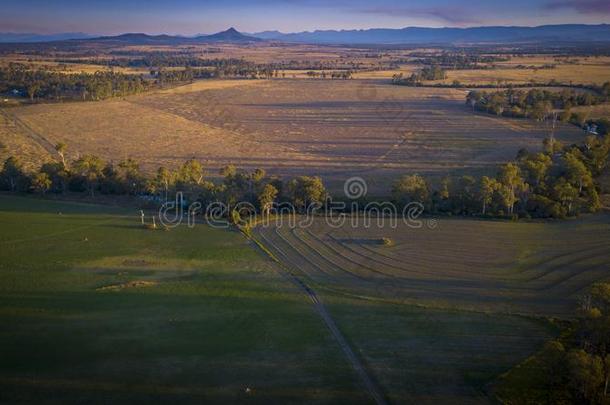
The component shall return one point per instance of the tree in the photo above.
(305, 190)
(565, 193)
(536, 168)
(487, 188)
(128, 175)
(413, 188)
(586, 373)
(164, 179)
(576, 171)
(33, 88)
(41, 183)
(553, 358)
(61, 149)
(266, 198)
(58, 174)
(465, 194)
(511, 181)
(90, 168)
(191, 172)
(13, 174)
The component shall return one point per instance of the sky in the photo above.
(189, 17)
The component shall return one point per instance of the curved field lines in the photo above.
(529, 268)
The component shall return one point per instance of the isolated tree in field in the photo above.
(13, 174)
(413, 188)
(90, 167)
(487, 188)
(266, 198)
(41, 183)
(61, 149)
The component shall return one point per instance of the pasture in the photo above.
(102, 309)
(98, 309)
(292, 127)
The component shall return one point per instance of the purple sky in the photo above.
(203, 16)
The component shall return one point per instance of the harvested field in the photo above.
(526, 268)
(577, 74)
(289, 127)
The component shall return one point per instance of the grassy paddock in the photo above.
(200, 316)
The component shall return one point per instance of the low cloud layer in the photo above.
(582, 6)
(450, 15)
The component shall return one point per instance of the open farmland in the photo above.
(526, 268)
(577, 74)
(323, 127)
(110, 311)
(468, 278)
(97, 308)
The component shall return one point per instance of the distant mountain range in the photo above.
(408, 36)
(417, 35)
(230, 35)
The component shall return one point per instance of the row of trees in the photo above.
(427, 73)
(93, 175)
(54, 85)
(535, 103)
(345, 74)
(460, 60)
(51, 85)
(159, 60)
(558, 182)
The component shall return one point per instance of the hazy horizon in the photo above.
(190, 17)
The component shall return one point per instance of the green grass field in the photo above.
(213, 320)
(97, 308)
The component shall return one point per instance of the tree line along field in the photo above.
(107, 309)
(327, 128)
